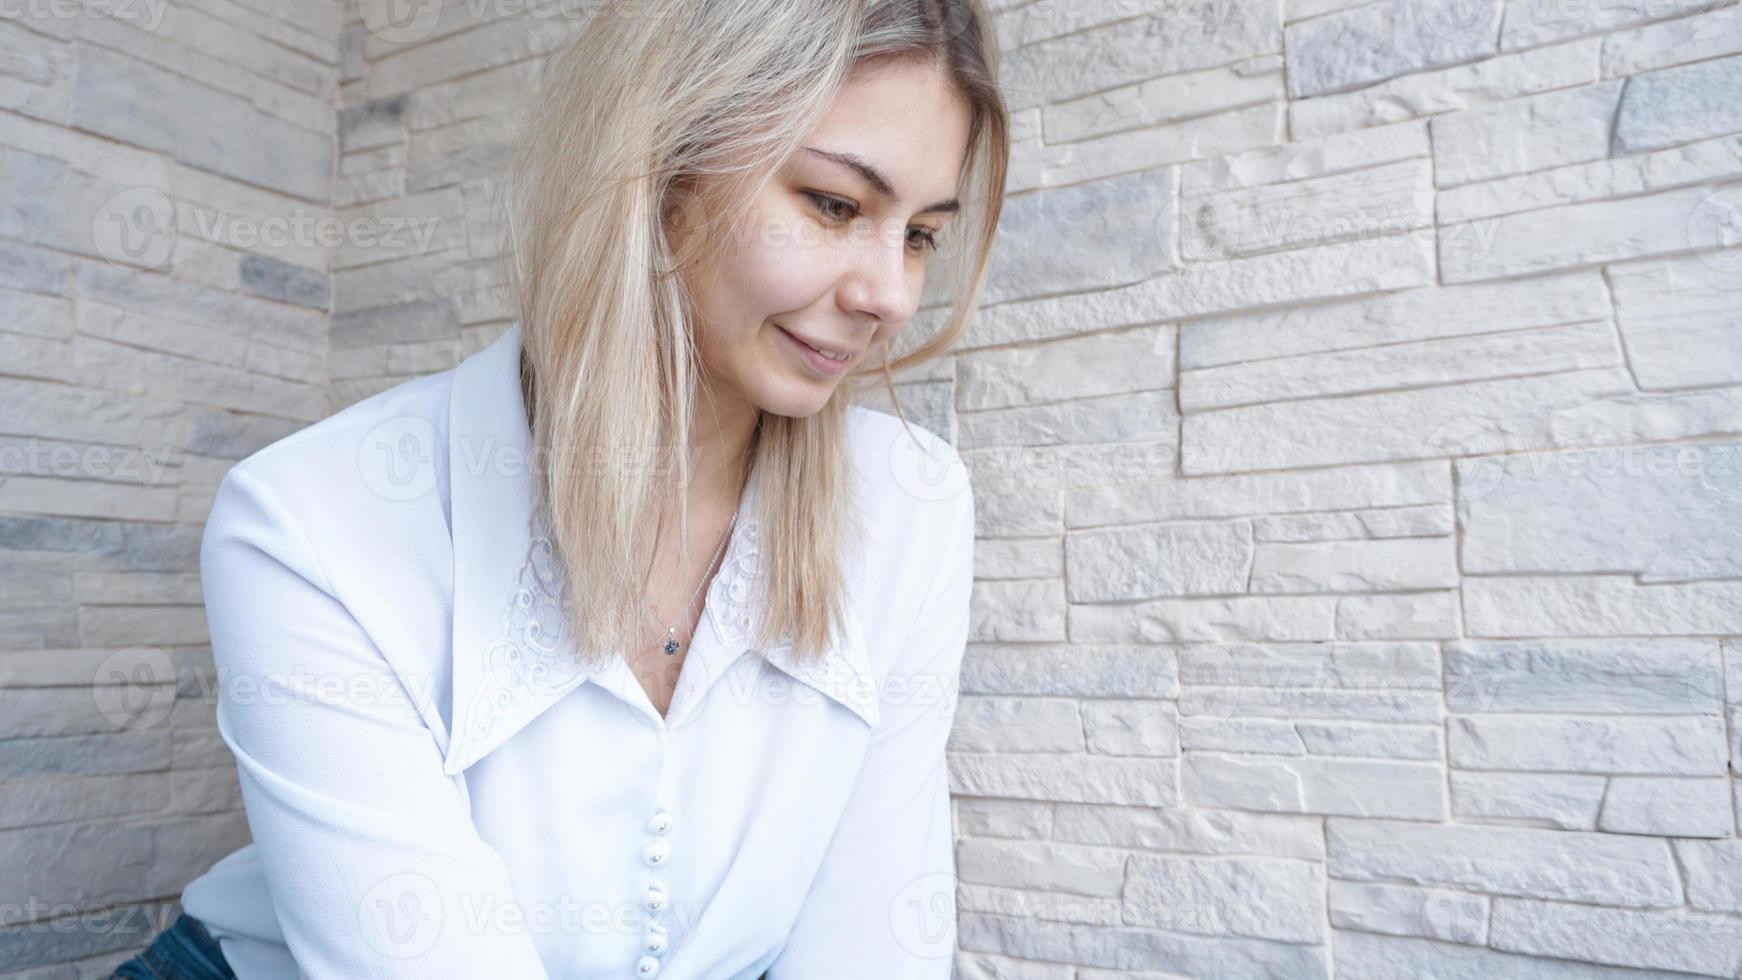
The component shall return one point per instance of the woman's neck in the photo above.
(722, 436)
(722, 440)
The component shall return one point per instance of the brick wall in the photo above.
(164, 311)
(1356, 441)
(1355, 419)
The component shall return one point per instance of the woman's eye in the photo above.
(826, 204)
(823, 202)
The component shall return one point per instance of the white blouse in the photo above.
(436, 789)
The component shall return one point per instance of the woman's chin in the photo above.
(796, 397)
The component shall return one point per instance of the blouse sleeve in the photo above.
(374, 865)
(882, 906)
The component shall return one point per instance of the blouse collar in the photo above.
(512, 653)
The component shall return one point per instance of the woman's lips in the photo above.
(822, 365)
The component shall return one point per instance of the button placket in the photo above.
(655, 854)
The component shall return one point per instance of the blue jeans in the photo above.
(184, 951)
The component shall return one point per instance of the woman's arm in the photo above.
(373, 862)
(882, 906)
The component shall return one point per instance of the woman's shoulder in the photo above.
(908, 458)
(390, 447)
(361, 492)
(354, 507)
(912, 474)
(863, 420)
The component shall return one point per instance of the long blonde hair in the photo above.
(643, 103)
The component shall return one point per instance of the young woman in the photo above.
(514, 689)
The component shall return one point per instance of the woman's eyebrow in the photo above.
(879, 182)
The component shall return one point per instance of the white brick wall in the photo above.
(163, 313)
(1356, 420)
(1381, 490)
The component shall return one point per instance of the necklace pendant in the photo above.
(670, 644)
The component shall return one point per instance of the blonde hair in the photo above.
(643, 104)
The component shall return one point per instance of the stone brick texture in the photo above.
(1354, 411)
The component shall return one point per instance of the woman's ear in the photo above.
(677, 215)
(678, 200)
(689, 216)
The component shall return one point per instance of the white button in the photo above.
(660, 822)
(647, 966)
(656, 853)
(655, 899)
(655, 941)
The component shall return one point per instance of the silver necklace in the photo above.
(671, 641)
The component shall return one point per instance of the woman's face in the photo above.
(833, 255)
